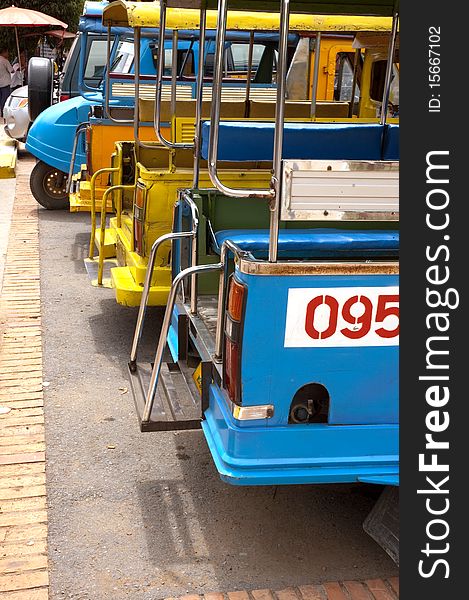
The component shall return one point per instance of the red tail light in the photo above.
(89, 166)
(139, 218)
(233, 329)
(64, 97)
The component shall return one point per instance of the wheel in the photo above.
(48, 186)
(40, 85)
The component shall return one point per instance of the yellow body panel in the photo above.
(103, 140)
(146, 14)
(80, 201)
(162, 188)
(8, 155)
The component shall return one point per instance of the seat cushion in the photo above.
(314, 243)
(253, 141)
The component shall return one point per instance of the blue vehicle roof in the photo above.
(94, 9)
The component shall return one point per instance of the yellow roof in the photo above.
(122, 13)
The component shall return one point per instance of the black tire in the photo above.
(40, 85)
(48, 186)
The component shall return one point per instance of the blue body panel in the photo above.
(298, 454)
(360, 439)
(51, 136)
(253, 141)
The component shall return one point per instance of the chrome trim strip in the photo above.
(254, 267)
(339, 215)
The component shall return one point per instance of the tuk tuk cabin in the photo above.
(291, 367)
(159, 175)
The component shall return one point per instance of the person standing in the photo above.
(17, 77)
(5, 77)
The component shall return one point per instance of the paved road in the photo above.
(145, 516)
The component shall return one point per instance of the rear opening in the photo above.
(310, 404)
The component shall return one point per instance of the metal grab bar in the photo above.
(150, 397)
(149, 272)
(93, 203)
(314, 87)
(159, 77)
(389, 69)
(199, 98)
(356, 61)
(146, 291)
(102, 224)
(138, 141)
(215, 114)
(279, 126)
(107, 81)
(81, 127)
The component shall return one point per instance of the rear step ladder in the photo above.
(177, 403)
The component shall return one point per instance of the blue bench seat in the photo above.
(253, 141)
(314, 243)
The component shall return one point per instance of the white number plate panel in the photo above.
(345, 316)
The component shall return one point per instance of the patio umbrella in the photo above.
(24, 17)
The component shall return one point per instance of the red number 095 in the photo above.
(361, 324)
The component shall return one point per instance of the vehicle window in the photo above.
(96, 61)
(378, 75)
(264, 61)
(344, 78)
(240, 57)
(69, 83)
(69, 55)
(124, 57)
(185, 62)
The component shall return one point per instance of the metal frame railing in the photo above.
(159, 77)
(273, 194)
(102, 224)
(95, 175)
(107, 83)
(79, 130)
(150, 268)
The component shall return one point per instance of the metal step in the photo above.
(177, 404)
(91, 266)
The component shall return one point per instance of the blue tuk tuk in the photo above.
(282, 344)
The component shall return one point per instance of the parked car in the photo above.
(16, 115)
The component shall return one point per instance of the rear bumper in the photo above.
(129, 293)
(128, 278)
(260, 454)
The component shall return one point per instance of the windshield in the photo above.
(96, 60)
(124, 57)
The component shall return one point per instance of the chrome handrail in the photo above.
(81, 127)
(138, 141)
(199, 98)
(314, 87)
(159, 77)
(215, 114)
(93, 204)
(155, 373)
(149, 273)
(102, 224)
(389, 69)
(278, 134)
(107, 82)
